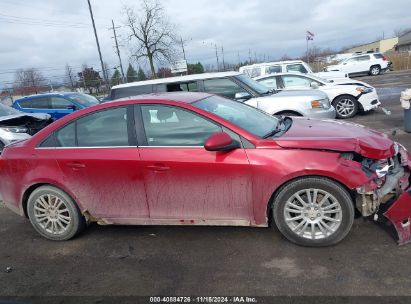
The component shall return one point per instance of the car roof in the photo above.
(48, 94)
(183, 97)
(309, 75)
(271, 63)
(177, 79)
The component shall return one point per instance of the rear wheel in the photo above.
(375, 70)
(289, 113)
(313, 212)
(54, 214)
(345, 106)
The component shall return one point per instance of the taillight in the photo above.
(384, 58)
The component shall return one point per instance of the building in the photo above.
(404, 43)
(382, 46)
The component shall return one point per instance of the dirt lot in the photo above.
(208, 260)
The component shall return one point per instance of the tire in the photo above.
(375, 70)
(62, 216)
(289, 113)
(332, 220)
(346, 106)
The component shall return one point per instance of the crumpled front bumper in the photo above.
(399, 214)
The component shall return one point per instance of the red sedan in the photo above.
(200, 159)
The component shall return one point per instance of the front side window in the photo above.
(298, 67)
(35, 103)
(60, 103)
(107, 128)
(172, 126)
(222, 86)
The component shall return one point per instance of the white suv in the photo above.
(289, 66)
(370, 63)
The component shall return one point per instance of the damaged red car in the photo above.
(200, 159)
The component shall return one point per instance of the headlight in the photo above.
(383, 167)
(321, 103)
(15, 129)
(363, 90)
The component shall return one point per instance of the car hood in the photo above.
(306, 133)
(36, 116)
(331, 75)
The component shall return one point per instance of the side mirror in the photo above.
(220, 142)
(314, 85)
(72, 107)
(242, 96)
(344, 63)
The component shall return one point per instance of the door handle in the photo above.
(75, 165)
(158, 168)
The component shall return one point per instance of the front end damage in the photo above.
(388, 191)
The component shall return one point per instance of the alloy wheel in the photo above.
(52, 214)
(345, 107)
(313, 214)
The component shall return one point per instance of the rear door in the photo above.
(36, 105)
(184, 182)
(99, 159)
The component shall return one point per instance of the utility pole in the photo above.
(98, 45)
(216, 55)
(118, 50)
(249, 56)
(182, 46)
(222, 52)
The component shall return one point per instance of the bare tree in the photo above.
(401, 31)
(152, 34)
(29, 81)
(70, 76)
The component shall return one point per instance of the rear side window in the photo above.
(363, 58)
(108, 128)
(186, 87)
(35, 103)
(131, 91)
(273, 69)
(378, 56)
(270, 83)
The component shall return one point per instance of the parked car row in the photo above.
(199, 159)
(348, 96)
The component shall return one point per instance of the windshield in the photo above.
(84, 99)
(246, 117)
(5, 110)
(254, 85)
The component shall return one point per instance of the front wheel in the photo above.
(345, 106)
(54, 214)
(313, 212)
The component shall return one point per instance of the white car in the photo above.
(268, 68)
(239, 87)
(370, 63)
(347, 96)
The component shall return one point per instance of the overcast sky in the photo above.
(48, 34)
